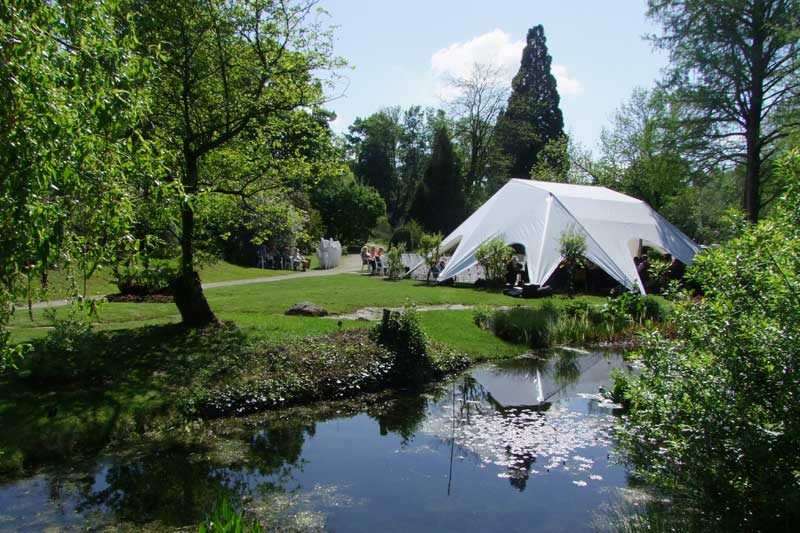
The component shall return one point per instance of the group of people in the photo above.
(373, 259)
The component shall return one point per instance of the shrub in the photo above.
(401, 236)
(396, 268)
(494, 257)
(402, 333)
(430, 249)
(482, 315)
(140, 280)
(715, 414)
(572, 249)
(525, 325)
(65, 354)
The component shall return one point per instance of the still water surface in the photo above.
(523, 445)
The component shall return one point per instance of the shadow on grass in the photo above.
(72, 402)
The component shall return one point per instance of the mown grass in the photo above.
(102, 282)
(258, 308)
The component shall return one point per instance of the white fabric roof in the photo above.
(536, 213)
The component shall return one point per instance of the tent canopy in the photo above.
(535, 214)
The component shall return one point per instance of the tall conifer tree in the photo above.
(532, 117)
(439, 203)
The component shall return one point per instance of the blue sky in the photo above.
(399, 51)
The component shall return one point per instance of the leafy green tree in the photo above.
(715, 414)
(374, 142)
(643, 153)
(414, 152)
(439, 204)
(232, 87)
(532, 117)
(348, 210)
(69, 141)
(734, 69)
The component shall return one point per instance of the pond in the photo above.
(516, 446)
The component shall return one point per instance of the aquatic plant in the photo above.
(225, 518)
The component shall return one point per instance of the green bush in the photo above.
(65, 354)
(525, 325)
(715, 414)
(143, 280)
(494, 257)
(402, 333)
(396, 268)
(482, 315)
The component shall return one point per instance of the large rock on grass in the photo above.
(306, 309)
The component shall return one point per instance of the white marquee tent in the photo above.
(535, 214)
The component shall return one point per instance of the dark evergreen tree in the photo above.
(439, 203)
(532, 117)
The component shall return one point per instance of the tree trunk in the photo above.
(189, 297)
(758, 65)
(752, 182)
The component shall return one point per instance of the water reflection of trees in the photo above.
(402, 415)
(169, 486)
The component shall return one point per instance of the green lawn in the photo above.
(258, 309)
(102, 282)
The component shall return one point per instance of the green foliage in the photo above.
(494, 257)
(241, 114)
(225, 518)
(572, 247)
(401, 235)
(553, 162)
(415, 233)
(430, 247)
(394, 256)
(69, 141)
(348, 210)
(733, 73)
(439, 202)
(633, 308)
(152, 277)
(482, 315)
(714, 415)
(532, 117)
(401, 332)
(573, 323)
(525, 325)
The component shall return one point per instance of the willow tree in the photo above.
(230, 76)
(68, 144)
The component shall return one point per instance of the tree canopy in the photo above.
(734, 68)
(69, 139)
(233, 83)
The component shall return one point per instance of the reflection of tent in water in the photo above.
(530, 384)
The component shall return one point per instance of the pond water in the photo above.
(518, 446)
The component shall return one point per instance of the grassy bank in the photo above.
(139, 373)
(102, 282)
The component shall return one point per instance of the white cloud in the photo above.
(495, 48)
(566, 85)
